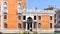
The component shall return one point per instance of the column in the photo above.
(32, 25)
(26, 26)
(22, 26)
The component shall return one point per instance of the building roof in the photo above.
(32, 11)
(50, 8)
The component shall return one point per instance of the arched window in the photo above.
(39, 17)
(39, 25)
(50, 17)
(34, 17)
(5, 6)
(24, 17)
(19, 17)
(5, 25)
(19, 25)
(50, 25)
(5, 16)
(19, 7)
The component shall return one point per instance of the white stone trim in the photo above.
(5, 6)
(19, 11)
(26, 26)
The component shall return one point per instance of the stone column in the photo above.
(26, 26)
(22, 26)
(32, 26)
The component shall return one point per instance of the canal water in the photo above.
(35, 33)
(57, 32)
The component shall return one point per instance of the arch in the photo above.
(29, 23)
(5, 4)
(29, 20)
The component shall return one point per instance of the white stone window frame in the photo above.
(19, 17)
(5, 8)
(19, 7)
(39, 25)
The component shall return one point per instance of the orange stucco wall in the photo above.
(46, 21)
(12, 13)
(12, 16)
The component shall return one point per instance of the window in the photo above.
(19, 7)
(59, 15)
(55, 15)
(5, 16)
(39, 17)
(19, 17)
(5, 6)
(24, 25)
(5, 25)
(34, 17)
(19, 25)
(34, 24)
(24, 17)
(50, 17)
(39, 25)
(54, 20)
(50, 25)
(59, 22)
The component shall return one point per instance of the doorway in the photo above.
(29, 23)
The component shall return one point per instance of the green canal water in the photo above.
(35, 33)
(57, 32)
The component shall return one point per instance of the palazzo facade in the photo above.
(15, 17)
